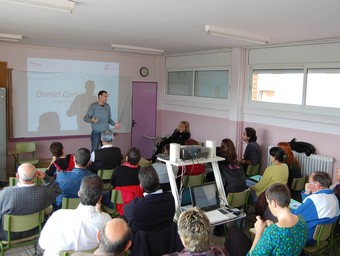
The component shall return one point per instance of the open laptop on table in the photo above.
(205, 196)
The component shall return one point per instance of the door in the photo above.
(144, 109)
(2, 134)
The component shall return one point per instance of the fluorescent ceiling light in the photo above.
(59, 5)
(129, 48)
(234, 34)
(10, 37)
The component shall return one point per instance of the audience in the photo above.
(276, 173)
(108, 156)
(194, 231)
(60, 161)
(69, 182)
(252, 154)
(114, 239)
(76, 229)
(319, 205)
(286, 237)
(154, 212)
(180, 136)
(162, 171)
(292, 163)
(26, 197)
(125, 179)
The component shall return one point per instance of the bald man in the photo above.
(26, 197)
(114, 239)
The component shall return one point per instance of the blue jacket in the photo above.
(69, 183)
(321, 207)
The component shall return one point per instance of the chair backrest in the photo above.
(252, 170)
(70, 203)
(322, 232)
(116, 197)
(239, 199)
(25, 147)
(22, 223)
(191, 180)
(13, 181)
(105, 174)
(298, 184)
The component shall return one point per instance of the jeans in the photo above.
(95, 140)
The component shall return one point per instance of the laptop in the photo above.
(205, 196)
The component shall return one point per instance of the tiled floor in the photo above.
(27, 250)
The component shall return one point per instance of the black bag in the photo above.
(302, 147)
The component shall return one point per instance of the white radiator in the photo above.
(311, 163)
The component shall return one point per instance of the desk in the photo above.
(172, 178)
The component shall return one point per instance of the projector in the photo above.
(193, 152)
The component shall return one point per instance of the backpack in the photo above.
(302, 147)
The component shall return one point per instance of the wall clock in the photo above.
(144, 72)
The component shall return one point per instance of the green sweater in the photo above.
(272, 174)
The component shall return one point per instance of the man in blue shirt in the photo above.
(319, 205)
(99, 115)
(69, 182)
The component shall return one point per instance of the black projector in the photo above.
(193, 152)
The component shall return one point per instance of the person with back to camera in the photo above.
(252, 154)
(194, 231)
(276, 173)
(99, 115)
(232, 174)
(291, 161)
(180, 136)
(286, 237)
(60, 161)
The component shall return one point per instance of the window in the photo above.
(278, 86)
(212, 84)
(323, 88)
(202, 83)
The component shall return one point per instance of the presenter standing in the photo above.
(99, 116)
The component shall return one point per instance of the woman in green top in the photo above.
(276, 173)
(286, 237)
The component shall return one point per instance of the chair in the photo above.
(239, 199)
(323, 237)
(298, 184)
(24, 148)
(21, 223)
(128, 194)
(70, 252)
(70, 203)
(106, 175)
(13, 181)
(116, 198)
(191, 180)
(252, 170)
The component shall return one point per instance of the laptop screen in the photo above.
(205, 196)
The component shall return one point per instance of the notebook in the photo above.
(205, 196)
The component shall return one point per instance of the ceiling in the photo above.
(175, 26)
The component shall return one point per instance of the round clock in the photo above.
(144, 72)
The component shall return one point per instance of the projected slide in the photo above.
(56, 94)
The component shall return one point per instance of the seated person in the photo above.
(108, 156)
(194, 231)
(252, 154)
(60, 161)
(276, 173)
(292, 163)
(26, 197)
(162, 171)
(114, 239)
(286, 237)
(125, 179)
(76, 229)
(154, 212)
(69, 182)
(180, 136)
(319, 205)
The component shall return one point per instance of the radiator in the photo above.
(311, 163)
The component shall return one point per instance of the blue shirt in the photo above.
(69, 183)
